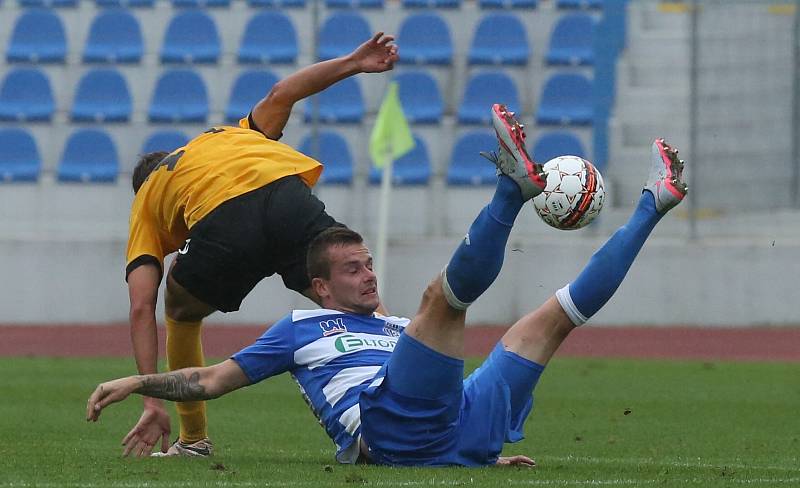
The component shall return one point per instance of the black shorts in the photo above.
(248, 238)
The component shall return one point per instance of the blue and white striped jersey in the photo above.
(333, 356)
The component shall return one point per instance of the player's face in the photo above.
(353, 286)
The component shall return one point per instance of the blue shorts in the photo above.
(424, 413)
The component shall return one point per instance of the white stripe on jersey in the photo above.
(298, 315)
(326, 349)
(351, 419)
(346, 379)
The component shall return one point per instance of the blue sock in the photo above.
(477, 261)
(608, 266)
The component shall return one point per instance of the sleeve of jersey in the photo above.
(144, 245)
(249, 123)
(271, 354)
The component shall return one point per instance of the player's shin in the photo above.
(479, 258)
(185, 349)
(605, 271)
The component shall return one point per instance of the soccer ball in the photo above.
(574, 193)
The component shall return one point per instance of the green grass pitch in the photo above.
(596, 423)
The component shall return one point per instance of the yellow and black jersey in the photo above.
(220, 164)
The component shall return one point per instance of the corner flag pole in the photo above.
(383, 219)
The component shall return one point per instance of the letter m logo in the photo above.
(330, 327)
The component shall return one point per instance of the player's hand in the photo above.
(519, 460)
(376, 55)
(107, 393)
(153, 425)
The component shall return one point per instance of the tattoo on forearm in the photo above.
(173, 386)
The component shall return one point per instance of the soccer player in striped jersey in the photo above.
(237, 206)
(391, 391)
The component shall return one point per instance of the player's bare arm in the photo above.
(376, 55)
(188, 384)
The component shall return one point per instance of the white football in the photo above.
(574, 193)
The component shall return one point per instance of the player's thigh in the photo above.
(437, 325)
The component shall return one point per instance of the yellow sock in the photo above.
(185, 349)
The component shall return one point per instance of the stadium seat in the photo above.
(247, 90)
(483, 90)
(571, 41)
(499, 38)
(165, 140)
(354, 3)
(48, 3)
(579, 4)
(200, 3)
(115, 36)
(566, 100)
(506, 4)
(341, 33)
(125, 3)
(38, 37)
(334, 153)
(425, 39)
(191, 37)
(420, 97)
(467, 166)
(179, 96)
(554, 144)
(19, 156)
(269, 37)
(431, 3)
(340, 103)
(413, 168)
(89, 156)
(102, 96)
(277, 3)
(26, 96)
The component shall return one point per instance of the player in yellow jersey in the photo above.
(237, 206)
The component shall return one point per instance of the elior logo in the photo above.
(350, 343)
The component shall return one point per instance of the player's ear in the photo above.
(320, 287)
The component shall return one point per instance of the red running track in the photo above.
(702, 343)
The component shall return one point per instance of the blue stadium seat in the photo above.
(48, 3)
(483, 90)
(179, 96)
(334, 153)
(340, 103)
(354, 3)
(277, 3)
(26, 96)
(499, 38)
(571, 41)
(247, 90)
(200, 3)
(341, 33)
(425, 39)
(102, 96)
(554, 144)
(19, 156)
(115, 36)
(579, 4)
(38, 37)
(420, 97)
(125, 3)
(467, 166)
(269, 37)
(413, 168)
(89, 156)
(431, 3)
(164, 140)
(506, 4)
(191, 37)
(566, 100)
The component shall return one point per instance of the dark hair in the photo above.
(317, 263)
(147, 163)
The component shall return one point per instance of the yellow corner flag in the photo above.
(391, 136)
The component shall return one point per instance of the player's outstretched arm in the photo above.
(189, 384)
(376, 55)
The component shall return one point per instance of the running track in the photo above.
(739, 344)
